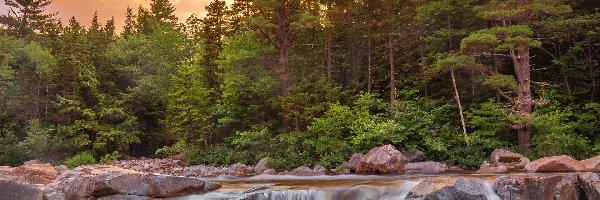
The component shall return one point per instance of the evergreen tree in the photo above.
(26, 17)
(129, 28)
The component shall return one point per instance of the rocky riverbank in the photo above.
(508, 176)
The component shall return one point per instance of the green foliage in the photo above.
(218, 155)
(83, 158)
(12, 153)
(110, 157)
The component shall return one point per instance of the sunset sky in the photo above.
(83, 10)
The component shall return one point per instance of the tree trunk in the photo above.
(282, 38)
(393, 92)
(328, 46)
(369, 55)
(524, 101)
(284, 74)
(460, 108)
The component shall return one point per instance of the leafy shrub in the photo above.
(12, 153)
(83, 158)
(219, 155)
(114, 156)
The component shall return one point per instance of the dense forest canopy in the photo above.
(303, 82)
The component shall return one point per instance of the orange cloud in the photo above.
(83, 10)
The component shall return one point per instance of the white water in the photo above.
(344, 187)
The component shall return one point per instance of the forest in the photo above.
(302, 82)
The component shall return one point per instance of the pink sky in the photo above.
(83, 10)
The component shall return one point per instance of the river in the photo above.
(340, 187)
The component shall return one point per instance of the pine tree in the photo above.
(512, 34)
(214, 29)
(162, 11)
(26, 17)
(129, 28)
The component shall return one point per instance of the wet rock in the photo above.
(201, 171)
(238, 169)
(261, 166)
(382, 160)
(354, 161)
(98, 181)
(512, 188)
(414, 156)
(319, 169)
(36, 173)
(360, 193)
(425, 168)
(123, 197)
(559, 186)
(270, 171)
(590, 185)
(555, 164)
(592, 164)
(449, 188)
(16, 190)
(487, 167)
(508, 159)
(167, 166)
(305, 171)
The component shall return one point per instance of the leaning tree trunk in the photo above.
(460, 108)
(524, 101)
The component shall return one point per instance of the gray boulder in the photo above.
(382, 160)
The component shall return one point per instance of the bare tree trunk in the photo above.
(460, 108)
(524, 101)
(284, 73)
(393, 92)
(369, 55)
(328, 59)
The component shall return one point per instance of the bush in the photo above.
(219, 155)
(114, 156)
(12, 153)
(83, 158)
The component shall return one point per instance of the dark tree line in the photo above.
(319, 79)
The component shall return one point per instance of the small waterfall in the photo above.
(308, 194)
(489, 192)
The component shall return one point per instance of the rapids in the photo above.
(340, 187)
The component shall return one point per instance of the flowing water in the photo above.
(341, 187)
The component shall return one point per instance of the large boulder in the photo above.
(261, 166)
(555, 164)
(354, 161)
(382, 160)
(414, 156)
(559, 186)
(508, 159)
(590, 185)
(592, 164)
(238, 169)
(425, 168)
(36, 173)
(98, 181)
(305, 171)
(449, 188)
(16, 190)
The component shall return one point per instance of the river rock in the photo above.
(238, 169)
(558, 186)
(5, 170)
(425, 168)
(414, 156)
(261, 166)
(305, 171)
(449, 188)
(382, 160)
(590, 185)
(592, 164)
(123, 197)
(510, 160)
(555, 164)
(487, 167)
(98, 181)
(36, 173)
(354, 161)
(201, 171)
(16, 190)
